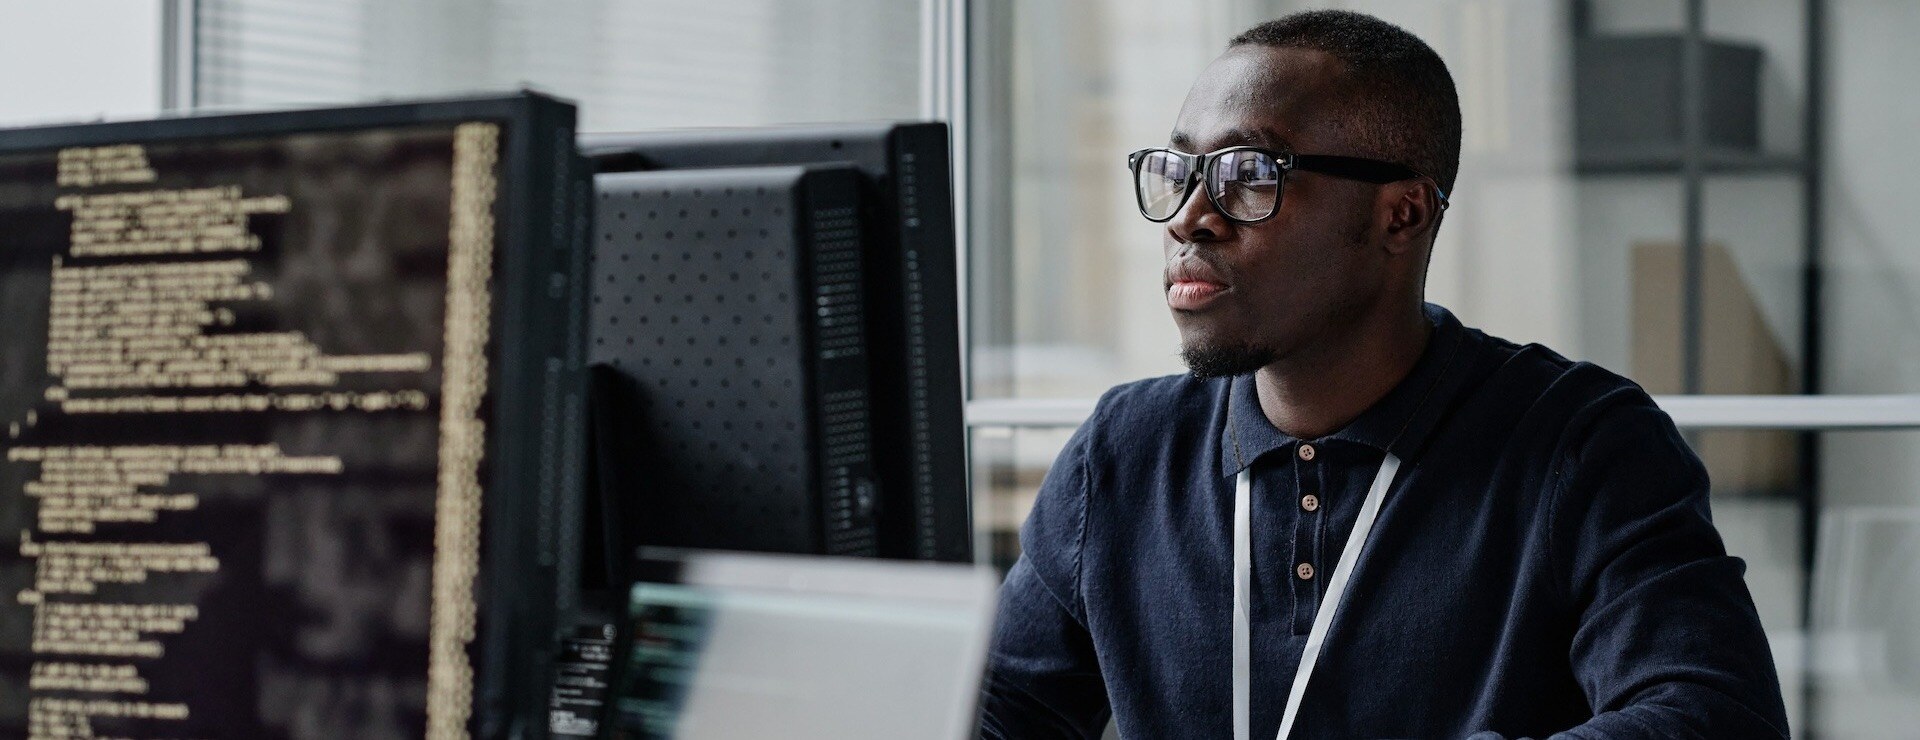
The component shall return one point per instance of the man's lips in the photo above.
(1193, 295)
(1192, 284)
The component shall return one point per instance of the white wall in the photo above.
(1872, 255)
(1870, 656)
(68, 60)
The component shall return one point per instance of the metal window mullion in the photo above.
(179, 44)
(946, 97)
(1812, 354)
(1693, 218)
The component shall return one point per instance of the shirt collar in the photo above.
(1399, 422)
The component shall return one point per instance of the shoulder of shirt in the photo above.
(1156, 405)
(1580, 393)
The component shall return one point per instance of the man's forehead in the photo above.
(1225, 134)
(1258, 95)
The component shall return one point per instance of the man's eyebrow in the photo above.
(1183, 141)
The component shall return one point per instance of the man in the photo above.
(1538, 556)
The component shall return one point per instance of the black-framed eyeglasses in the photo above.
(1243, 182)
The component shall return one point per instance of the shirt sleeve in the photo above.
(1666, 641)
(1043, 679)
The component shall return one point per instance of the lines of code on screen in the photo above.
(228, 372)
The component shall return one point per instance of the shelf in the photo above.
(1796, 412)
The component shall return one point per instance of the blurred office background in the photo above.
(1706, 195)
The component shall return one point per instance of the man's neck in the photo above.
(1317, 392)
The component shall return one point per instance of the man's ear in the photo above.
(1412, 211)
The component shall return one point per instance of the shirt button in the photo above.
(1305, 571)
(1306, 453)
(1310, 502)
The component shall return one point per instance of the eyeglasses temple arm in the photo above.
(1366, 170)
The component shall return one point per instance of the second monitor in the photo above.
(733, 398)
(909, 295)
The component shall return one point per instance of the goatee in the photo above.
(1215, 361)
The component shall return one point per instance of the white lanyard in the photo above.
(1336, 588)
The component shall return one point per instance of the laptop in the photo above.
(734, 645)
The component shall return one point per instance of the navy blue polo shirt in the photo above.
(1544, 562)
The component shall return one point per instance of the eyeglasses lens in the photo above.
(1162, 182)
(1246, 184)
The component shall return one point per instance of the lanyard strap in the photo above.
(1336, 588)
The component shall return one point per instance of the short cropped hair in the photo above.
(1402, 99)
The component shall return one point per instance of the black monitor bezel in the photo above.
(513, 650)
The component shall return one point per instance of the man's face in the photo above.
(1246, 295)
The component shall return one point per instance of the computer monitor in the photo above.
(733, 401)
(286, 404)
(719, 645)
(911, 301)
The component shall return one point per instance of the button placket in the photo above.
(1307, 534)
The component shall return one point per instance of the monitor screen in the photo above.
(250, 417)
(732, 646)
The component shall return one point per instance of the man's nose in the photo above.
(1198, 221)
